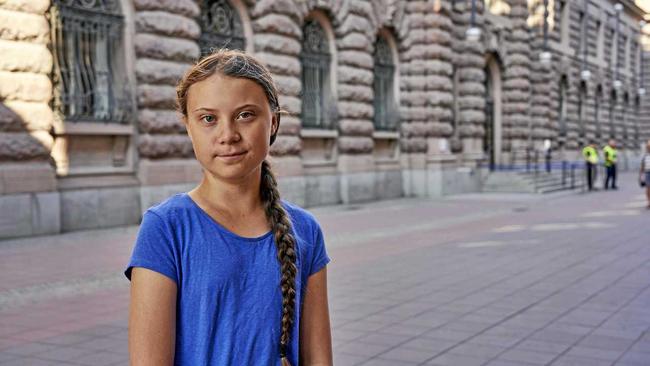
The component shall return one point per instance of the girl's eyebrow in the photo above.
(247, 105)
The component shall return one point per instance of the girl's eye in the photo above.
(208, 120)
(245, 115)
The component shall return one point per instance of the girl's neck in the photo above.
(235, 199)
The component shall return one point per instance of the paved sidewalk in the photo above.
(466, 280)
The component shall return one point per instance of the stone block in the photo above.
(288, 85)
(156, 96)
(354, 41)
(357, 187)
(286, 145)
(15, 146)
(9, 120)
(357, 93)
(25, 86)
(388, 184)
(26, 57)
(280, 64)
(166, 24)
(169, 172)
(15, 215)
(277, 43)
(292, 189)
(165, 146)
(355, 110)
(355, 144)
(188, 8)
(34, 116)
(151, 71)
(354, 23)
(98, 208)
(20, 26)
(355, 58)
(46, 213)
(289, 125)
(166, 48)
(160, 121)
(277, 24)
(356, 127)
(275, 6)
(290, 104)
(27, 6)
(322, 190)
(352, 75)
(26, 177)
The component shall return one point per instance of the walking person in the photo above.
(644, 173)
(590, 155)
(228, 273)
(610, 155)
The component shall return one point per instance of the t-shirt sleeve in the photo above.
(319, 257)
(154, 248)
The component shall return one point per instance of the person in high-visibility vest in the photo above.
(590, 154)
(610, 155)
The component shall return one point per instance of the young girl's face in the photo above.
(230, 122)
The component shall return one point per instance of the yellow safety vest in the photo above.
(610, 155)
(590, 154)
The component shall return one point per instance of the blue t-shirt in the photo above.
(229, 302)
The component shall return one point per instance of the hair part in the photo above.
(240, 65)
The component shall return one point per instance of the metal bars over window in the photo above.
(221, 27)
(315, 58)
(385, 110)
(86, 35)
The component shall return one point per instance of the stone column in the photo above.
(516, 86)
(29, 204)
(165, 43)
(277, 34)
(426, 96)
(470, 65)
(355, 40)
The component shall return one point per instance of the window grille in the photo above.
(221, 27)
(315, 58)
(86, 36)
(597, 101)
(612, 110)
(385, 111)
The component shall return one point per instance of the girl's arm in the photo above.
(152, 318)
(315, 337)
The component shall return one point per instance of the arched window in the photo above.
(315, 57)
(562, 105)
(582, 97)
(598, 98)
(612, 109)
(89, 85)
(384, 72)
(221, 27)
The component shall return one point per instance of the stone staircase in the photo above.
(531, 182)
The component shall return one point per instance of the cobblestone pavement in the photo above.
(490, 279)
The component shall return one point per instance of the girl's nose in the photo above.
(228, 134)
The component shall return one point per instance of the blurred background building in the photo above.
(386, 98)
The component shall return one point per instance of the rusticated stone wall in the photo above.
(427, 95)
(25, 86)
(470, 66)
(165, 47)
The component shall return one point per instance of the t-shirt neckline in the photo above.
(222, 228)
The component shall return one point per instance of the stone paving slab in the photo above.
(489, 280)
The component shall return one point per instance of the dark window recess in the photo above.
(86, 36)
(385, 109)
(221, 27)
(315, 58)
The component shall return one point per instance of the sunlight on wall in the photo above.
(497, 7)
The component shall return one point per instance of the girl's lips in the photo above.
(231, 158)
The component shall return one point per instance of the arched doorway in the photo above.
(493, 107)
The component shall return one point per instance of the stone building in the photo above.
(384, 98)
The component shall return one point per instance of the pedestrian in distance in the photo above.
(644, 173)
(228, 273)
(590, 155)
(610, 156)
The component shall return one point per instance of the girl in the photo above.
(228, 274)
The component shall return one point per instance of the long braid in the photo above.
(286, 244)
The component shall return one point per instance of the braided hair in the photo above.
(240, 65)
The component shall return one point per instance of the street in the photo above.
(478, 279)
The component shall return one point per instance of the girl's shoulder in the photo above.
(302, 220)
